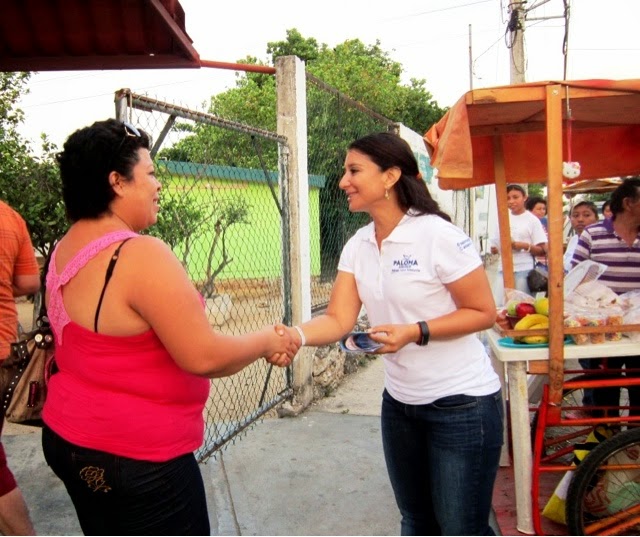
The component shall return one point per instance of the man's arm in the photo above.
(26, 284)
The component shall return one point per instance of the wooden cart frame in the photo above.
(523, 134)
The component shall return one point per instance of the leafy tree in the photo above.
(535, 190)
(13, 150)
(30, 185)
(36, 193)
(177, 223)
(307, 49)
(229, 213)
(365, 73)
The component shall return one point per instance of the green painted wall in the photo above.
(255, 247)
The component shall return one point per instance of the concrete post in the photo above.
(292, 123)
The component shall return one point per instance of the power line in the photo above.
(106, 94)
(453, 7)
(449, 8)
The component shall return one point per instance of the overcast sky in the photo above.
(429, 38)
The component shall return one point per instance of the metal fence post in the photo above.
(292, 123)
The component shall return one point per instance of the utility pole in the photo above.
(516, 42)
(515, 28)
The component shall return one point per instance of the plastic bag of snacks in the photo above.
(572, 321)
(630, 300)
(633, 317)
(592, 295)
(579, 317)
(595, 319)
(615, 317)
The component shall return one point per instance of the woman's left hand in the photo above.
(394, 336)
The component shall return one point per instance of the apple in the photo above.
(523, 309)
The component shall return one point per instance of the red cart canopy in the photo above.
(604, 134)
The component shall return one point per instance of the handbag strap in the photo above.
(107, 277)
(42, 314)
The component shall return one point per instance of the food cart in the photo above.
(523, 134)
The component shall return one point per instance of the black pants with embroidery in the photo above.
(120, 496)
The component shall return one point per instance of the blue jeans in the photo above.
(442, 460)
(120, 496)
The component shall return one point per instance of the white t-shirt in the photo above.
(525, 227)
(403, 283)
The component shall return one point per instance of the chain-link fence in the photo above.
(222, 216)
(334, 121)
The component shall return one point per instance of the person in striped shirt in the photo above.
(615, 242)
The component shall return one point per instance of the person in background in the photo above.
(538, 207)
(19, 276)
(528, 240)
(124, 413)
(606, 209)
(583, 214)
(615, 242)
(426, 293)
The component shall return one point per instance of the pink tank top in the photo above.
(121, 395)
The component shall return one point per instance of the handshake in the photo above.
(283, 343)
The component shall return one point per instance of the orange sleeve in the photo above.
(26, 262)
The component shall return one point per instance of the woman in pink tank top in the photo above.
(124, 412)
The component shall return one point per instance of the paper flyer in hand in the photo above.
(359, 342)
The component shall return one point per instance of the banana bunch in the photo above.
(533, 321)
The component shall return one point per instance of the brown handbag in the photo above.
(25, 374)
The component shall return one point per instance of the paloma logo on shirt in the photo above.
(406, 264)
(464, 244)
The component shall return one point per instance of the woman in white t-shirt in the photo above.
(528, 240)
(426, 293)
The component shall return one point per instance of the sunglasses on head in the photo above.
(130, 130)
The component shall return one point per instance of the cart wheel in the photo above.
(559, 440)
(604, 499)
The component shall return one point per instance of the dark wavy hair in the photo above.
(630, 188)
(388, 150)
(533, 201)
(89, 155)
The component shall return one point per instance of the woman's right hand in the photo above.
(282, 346)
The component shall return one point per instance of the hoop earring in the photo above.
(386, 193)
